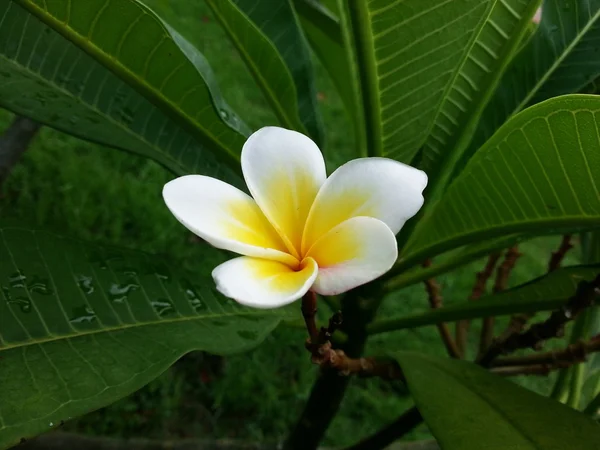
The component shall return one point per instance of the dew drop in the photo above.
(193, 297)
(40, 286)
(119, 292)
(85, 284)
(83, 314)
(17, 280)
(162, 307)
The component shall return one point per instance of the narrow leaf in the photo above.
(324, 34)
(273, 46)
(546, 293)
(450, 261)
(466, 407)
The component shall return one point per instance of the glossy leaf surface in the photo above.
(101, 73)
(82, 326)
(560, 58)
(274, 48)
(466, 407)
(540, 173)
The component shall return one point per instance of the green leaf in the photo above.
(83, 325)
(449, 261)
(133, 84)
(324, 34)
(539, 173)
(271, 43)
(590, 247)
(472, 86)
(560, 58)
(592, 87)
(466, 407)
(546, 293)
(411, 54)
(358, 111)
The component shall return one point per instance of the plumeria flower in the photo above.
(300, 230)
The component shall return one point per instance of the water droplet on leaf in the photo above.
(83, 314)
(163, 307)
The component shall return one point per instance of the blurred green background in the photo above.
(101, 194)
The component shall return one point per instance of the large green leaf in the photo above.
(472, 86)
(273, 46)
(560, 58)
(115, 74)
(548, 292)
(82, 326)
(466, 407)
(540, 173)
(416, 58)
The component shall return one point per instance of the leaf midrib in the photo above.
(364, 44)
(557, 63)
(122, 327)
(168, 164)
(124, 73)
(463, 135)
(448, 243)
(458, 70)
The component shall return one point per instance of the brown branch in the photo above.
(500, 284)
(435, 301)
(481, 279)
(329, 388)
(328, 358)
(518, 322)
(536, 369)
(558, 255)
(572, 354)
(552, 327)
(14, 142)
(584, 297)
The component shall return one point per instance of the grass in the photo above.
(102, 194)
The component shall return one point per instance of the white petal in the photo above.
(224, 216)
(353, 253)
(375, 187)
(284, 171)
(261, 283)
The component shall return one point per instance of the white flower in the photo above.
(301, 230)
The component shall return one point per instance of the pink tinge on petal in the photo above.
(537, 18)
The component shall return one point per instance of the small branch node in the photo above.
(557, 257)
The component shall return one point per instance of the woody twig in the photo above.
(500, 284)
(435, 301)
(481, 279)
